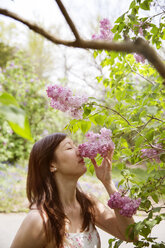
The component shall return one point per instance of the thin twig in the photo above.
(115, 111)
(144, 125)
(139, 73)
(152, 117)
(149, 18)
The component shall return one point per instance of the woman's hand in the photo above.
(103, 172)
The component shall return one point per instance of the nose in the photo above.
(77, 151)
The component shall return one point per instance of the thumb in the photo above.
(94, 163)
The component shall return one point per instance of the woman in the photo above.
(61, 215)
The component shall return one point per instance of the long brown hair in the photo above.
(43, 192)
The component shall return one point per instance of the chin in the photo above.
(83, 171)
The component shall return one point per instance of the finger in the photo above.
(109, 163)
(94, 163)
(110, 154)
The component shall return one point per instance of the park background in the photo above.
(29, 63)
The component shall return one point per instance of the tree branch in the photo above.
(68, 19)
(140, 46)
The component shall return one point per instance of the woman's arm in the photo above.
(106, 218)
(31, 232)
(111, 221)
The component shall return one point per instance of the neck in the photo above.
(67, 190)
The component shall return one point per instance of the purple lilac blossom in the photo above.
(126, 205)
(63, 99)
(97, 143)
(105, 31)
(152, 153)
(139, 58)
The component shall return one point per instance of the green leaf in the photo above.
(7, 99)
(132, 17)
(22, 131)
(118, 243)
(100, 119)
(120, 19)
(115, 28)
(13, 114)
(155, 197)
(121, 182)
(156, 209)
(162, 157)
(154, 30)
(145, 5)
(139, 141)
(85, 126)
(132, 5)
(117, 36)
(150, 134)
(87, 110)
(145, 231)
(135, 10)
(95, 53)
(123, 143)
(138, 226)
(110, 242)
(163, 35)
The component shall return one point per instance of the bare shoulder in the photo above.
(31, 232)
(34, 217)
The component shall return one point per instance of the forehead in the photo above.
(64, 142)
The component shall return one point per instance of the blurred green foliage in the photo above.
(24, 107)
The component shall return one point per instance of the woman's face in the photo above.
(68, 159)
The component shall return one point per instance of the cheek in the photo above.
(67, 158)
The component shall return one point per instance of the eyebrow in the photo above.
(67, 143)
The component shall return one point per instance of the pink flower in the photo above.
(140, 28)
(63, 99)
(152, 153)
(126, 205)
(97, 143)
(139, 58)
(105, 31)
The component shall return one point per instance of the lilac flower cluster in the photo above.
(97, 143)
(139, 58)
(105, 31)
(153, 153)
(63, 99)
(126, 205)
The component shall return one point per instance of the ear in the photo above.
(53, 167)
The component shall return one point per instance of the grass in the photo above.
(12, 189)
